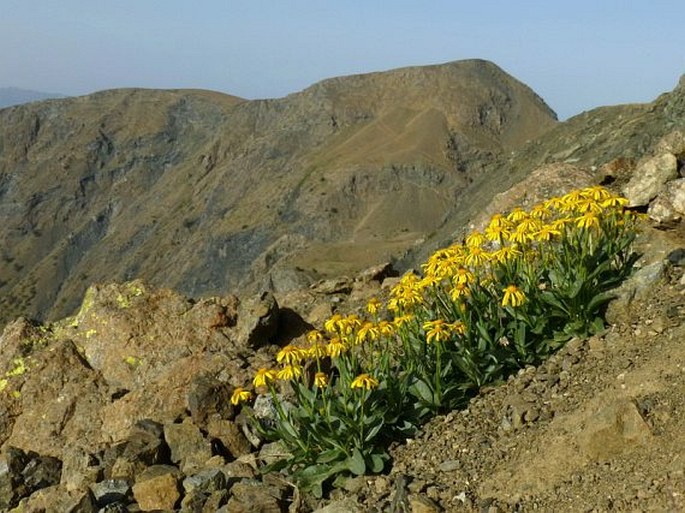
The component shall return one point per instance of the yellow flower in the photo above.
(240, 395)
(367, 332)
(290, 354)
(463, 276)
(587, 220)
(386, 328)
(373, 306)
(521, 235)
(317, 351)
(437, 330)
(263, 376)
(364, 381)
(402, 320)
(320, 380)
(331, 325)
(458, 327)
(496, 233)
(475, 239)
(554, 203)
(459, 291)
(546, 233)
(289, 372)
(506, 253)
(588, 205)
(613, 202)
(314, 336)
(540, 212)
(513, 296)
(335, 347)
(596, 193)
(477, 257)
(516, 215)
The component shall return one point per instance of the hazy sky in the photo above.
(576, 54)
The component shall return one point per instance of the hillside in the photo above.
(205, 192)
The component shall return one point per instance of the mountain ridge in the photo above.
(189, 189)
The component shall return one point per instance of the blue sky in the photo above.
(576, 55)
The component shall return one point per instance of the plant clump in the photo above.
(504, 298)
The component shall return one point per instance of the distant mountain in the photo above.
(10, 96)
(205, 192)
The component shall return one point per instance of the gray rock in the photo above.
(649, 179)
(193, 502)
(230, 435)
(12, 489)
(80, 469)
(110, 491)
(206, 481)
(273, 452)
(633, 288)
(41, 472)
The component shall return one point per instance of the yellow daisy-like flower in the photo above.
(477, 257)
(459, 292)
(364, 381)
(289, 372)
(401, 320)
(458, 327)
(367, 332)
(290, 354)
(496, 233)
(386, 328)
(373, 306)
(540, 212)
(463, 276)
(317, 351)
(320, 380)
(314, 336)
(506, 253)
(513, 296)
(336, 347)
(521, 235)
(555, 203)
(546, 233)
(437, 330)
(240, 395)
(596, 193)
(517, 215)
(331, 325)
(263, 376)
(588, 205)
(613, 202)
(588, 220)
(475, 239)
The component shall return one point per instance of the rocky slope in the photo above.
(125, 405)
(204, 192)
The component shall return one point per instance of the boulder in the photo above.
(649, 179)
(258, 320)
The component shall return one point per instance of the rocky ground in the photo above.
(125, 406)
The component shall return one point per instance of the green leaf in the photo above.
(377, 462)
(422, 391)
(373, 431)
(356, 463)
(599, 300)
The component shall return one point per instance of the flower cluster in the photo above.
(503, 298)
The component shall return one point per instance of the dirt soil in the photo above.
(598, 427)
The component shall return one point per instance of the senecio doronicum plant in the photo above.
(506, 297)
